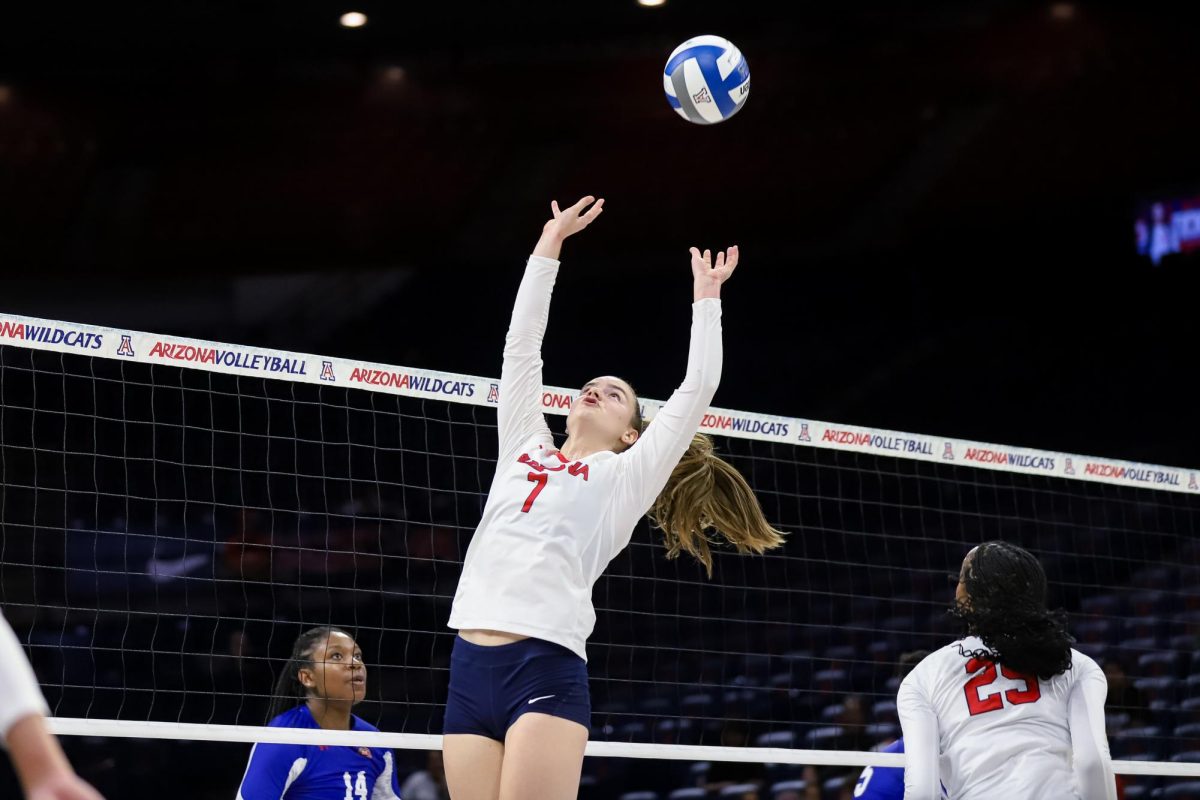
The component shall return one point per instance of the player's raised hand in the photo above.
(566, 222)
(573, 219)
(708, 276)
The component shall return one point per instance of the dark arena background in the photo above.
(258, 265)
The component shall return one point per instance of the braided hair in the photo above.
(289, 691)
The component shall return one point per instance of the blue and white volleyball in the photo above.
(707, 80)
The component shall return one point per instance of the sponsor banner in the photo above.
(43, 335)
(404, 381)
(236, 359)
(1136, 473)
(147, 348)
(735, 422)
(883, 442)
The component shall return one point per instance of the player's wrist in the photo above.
(36, 755)
(548, 246)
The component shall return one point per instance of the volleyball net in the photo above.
(176, 512)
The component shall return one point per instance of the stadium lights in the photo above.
(1062, 11)
(353, 19)
(651, 3)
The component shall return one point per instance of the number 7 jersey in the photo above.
(988, 731)
(551, 525)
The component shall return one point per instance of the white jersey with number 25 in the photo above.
(989, 732)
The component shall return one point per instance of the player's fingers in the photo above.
(555, 209)
(731, 258)
(583, 203)
(720, 261)
(594, 211)
(707, 256)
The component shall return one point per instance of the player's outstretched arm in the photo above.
(519, 412)
(650, 462)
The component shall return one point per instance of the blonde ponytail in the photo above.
(703, 492)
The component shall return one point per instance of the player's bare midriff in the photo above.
(485, 638)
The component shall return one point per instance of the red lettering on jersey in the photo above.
(578, 468)
(1032, 692)
(539, 476)
(977, 704)
(525, 459)
(539, 481)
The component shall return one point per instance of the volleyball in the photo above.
(707, 80)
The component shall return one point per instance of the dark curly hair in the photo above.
(1006, 608)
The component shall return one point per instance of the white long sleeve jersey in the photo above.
(551, 526)
(22, 695)
(991, 733)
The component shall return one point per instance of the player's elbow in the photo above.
(708, 380)
(521, 342)
(700, 385)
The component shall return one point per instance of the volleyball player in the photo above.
(322, 681)
(887, 783)
(1011, 710)
(517, 716)
(41, 766)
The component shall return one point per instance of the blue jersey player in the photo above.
(887, 783)
(882, 783)
(322, 681)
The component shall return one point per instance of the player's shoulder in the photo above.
(1083, 665)
(298, 717)
(275, 753)
(359, 724)
(948, 656)
(938, 666)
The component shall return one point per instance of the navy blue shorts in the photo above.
(490, 687)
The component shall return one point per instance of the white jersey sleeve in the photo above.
(921, 741)
(648, 464)
(1089, 742)
(519, 417)
(22, 695)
